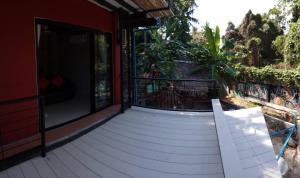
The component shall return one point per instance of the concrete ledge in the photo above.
(231, 163)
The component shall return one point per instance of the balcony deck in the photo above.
(139, 143)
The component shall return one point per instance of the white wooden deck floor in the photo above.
(141, 143)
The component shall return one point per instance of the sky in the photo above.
(220, 12)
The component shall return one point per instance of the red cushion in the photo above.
(43, 84)
(57, 81)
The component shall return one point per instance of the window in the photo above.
(103, 70)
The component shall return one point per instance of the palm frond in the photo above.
(211, 40)
(217, 39)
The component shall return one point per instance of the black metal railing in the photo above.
(174, 94)
(1, 145)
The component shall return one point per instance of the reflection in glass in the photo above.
(103, 70)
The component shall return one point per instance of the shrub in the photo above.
(269, 75)
(292, 44)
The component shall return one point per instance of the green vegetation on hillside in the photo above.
(264, 48)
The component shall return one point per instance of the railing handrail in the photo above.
(18, 100)
(177, 93)
(170, 79)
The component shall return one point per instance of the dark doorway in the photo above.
(64, 57)
(74, 71)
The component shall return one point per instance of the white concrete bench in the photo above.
(245, 144)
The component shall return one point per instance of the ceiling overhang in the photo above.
(152, 8)
(155, 8)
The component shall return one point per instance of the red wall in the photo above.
(17, 41)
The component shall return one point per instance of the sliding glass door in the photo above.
(103, 70)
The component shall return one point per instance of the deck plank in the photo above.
(164, 147)
(58, 167)
(133, 169)
(74, 165)
(163, 166)
(15, 172)
(42, 167)
(98, 166)
(3, 174)
(141, 143)
(29, 170)
(205, 135)
(162, 141)
(152, 154)
(178, 132)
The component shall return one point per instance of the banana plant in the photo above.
(218, 60)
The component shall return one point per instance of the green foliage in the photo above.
(198, 52)
(276, 14)
(254, 26)
(198, 36)
(265, 35)
(278, 45)
(290, 8)
(292, 44)
(161, 53)
(295, 10)
(240, 54)
(260, 41)
(231, 38)
(269, 75)
(253, 46)
(213, 39)
(255, 40)
(218, 60)
(177, 27)
(169, 43)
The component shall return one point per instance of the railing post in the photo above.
(42, 125)
(1, 144)
(122, 72)
(216, 89)
(133, 67)
(269, 93)
(173, 92)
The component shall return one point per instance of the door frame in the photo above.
(91, 37)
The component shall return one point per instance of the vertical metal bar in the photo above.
(128, 75)
(122, 69)
(215, 89)
(1, 144)
(153, 99)
(133, 59)
(269, 93)
(173, 92)
(93, 44)
(42, 126)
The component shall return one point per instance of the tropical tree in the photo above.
(160, 53)
(218, 61)
(255, 33)
(292, 45)
(177, 27)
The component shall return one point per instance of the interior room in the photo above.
(64, 74)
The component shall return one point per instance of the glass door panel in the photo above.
(103, 70)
